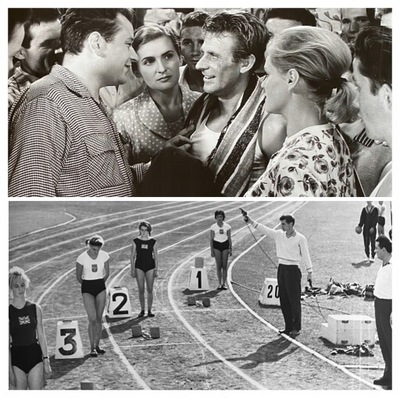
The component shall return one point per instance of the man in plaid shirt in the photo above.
(61, 141)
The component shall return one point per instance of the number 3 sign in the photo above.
(68, 340)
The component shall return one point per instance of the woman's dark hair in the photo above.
(148, 33)
(95, 240)
(219, 213)
(145, 224)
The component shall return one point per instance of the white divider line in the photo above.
(151, 344)
(197, 335)
(73, 218)
(293, 341)
(77, 237)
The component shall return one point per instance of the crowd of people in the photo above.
(199, 104)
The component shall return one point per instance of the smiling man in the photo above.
(62, 142)
(37, 53)
(227, 115)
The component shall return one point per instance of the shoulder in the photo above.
(104, 255)
(125, 109)
(227, 226)
(82, 257)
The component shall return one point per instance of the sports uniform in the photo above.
(93, 272)
(220, 239)
(25, 349)
(144, 254)
(381, 215)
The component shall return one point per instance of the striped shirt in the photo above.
(17, 83)
(62, 143)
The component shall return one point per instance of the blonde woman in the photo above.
(304, 67)
(29, 358)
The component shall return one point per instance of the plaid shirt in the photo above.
(62, 143)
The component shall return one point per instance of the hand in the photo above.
(309, 278)
(230, 252)
(181, 140)
(371, 231)
(247, 220)
(11, 378)
(47, 367)
(133, 273)
(155, 273)
(212, 253)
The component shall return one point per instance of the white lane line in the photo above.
(293, 341)
(40, 249)
(73, 218)
(197, 335)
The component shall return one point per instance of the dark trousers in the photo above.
(383, 309)
(289, 281)
(369, 240)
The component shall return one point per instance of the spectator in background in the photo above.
(61, 141)
(383, 308)
(372, 71)
(368, 222)
(352, 20)
(192, 38)
(148, 121)
(272, 131)
(16, 31)
(163, 17)
(38, 51)
(385, 16)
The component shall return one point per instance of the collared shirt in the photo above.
(62, 143)
(383, 283)
(17, 83)
(290, 250)
(141, 124)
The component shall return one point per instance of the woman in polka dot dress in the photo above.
(148, 121)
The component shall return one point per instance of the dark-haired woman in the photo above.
(221, 247)
(144, 265)
(92, 271)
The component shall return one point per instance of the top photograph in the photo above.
(190, 102)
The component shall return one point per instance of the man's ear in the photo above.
(96, 43)
(20, 55)
(385, 94)
(247, 63)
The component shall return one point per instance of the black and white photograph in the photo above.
(199, 199)
(200, 102)
(205, 295)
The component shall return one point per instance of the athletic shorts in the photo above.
(26, 357)
(221, 246)
(146, 267)
(93, 287)
(381, 221)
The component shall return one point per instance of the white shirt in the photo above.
(220, 233)
(291, 250)
(204, 141)
(383, 284)
(93, 268)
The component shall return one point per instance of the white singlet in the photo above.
(204, 141)
(93, 269)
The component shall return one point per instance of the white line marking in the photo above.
(293, 341)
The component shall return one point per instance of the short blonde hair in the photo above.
(17, 272)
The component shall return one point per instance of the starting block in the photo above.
(155, 332)
(206, 301)
(87, 385)
(136, 331)
(119, 305)
(269, 294)
(349, 329)
(191, 300)
(68, 340)
(198, 275)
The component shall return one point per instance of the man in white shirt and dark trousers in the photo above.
(383, 307)
(291, 247)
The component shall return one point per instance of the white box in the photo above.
(349, 329)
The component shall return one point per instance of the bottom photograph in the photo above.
(200, 295)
